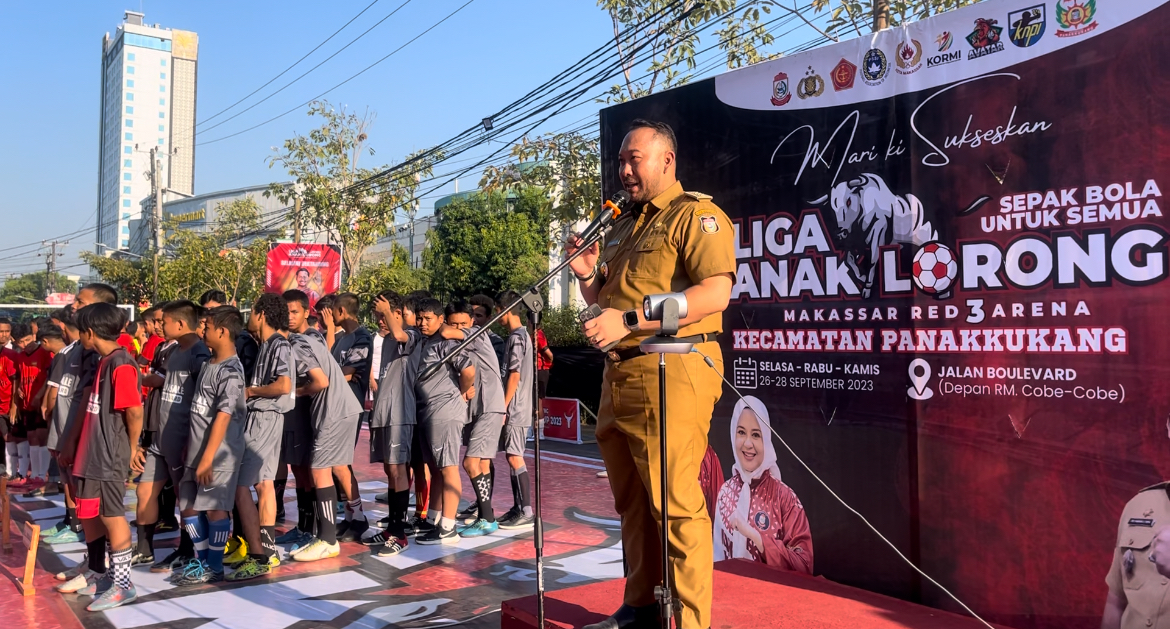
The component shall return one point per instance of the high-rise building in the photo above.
(147, 102)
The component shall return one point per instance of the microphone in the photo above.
(612, 209)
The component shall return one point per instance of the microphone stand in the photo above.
(535, 304)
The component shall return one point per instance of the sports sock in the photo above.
(447, 524)
(196, 527)
(146, 538)
(71, 518)
(304, 509)
(483, 496)
(166, 503)
(13, 458)
(97, 554)
(327, 514)
(399, 503)
(186, 546)
(42, 461)
(278, 490)
(515, 478)
(22, 460)
(433, 517)
(353, 511)
(491, 478)
(268, 540)
(525, 495)
(218, 532)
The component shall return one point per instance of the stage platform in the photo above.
(748, 595)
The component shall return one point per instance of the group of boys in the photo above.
(216, 406)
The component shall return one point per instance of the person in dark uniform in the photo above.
(672, 241)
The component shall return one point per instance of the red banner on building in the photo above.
(562, 419)
(314, 269)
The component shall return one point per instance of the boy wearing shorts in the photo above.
(518, 370)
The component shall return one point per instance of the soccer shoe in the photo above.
(468, 515)
(166, 525)
(512, 513)
(17, 482)
(439, 536)
(342, 527)
(301, 545)
(384, 522)
(171, 562)
(391, 547)
(273, 562)
(113, 597)
(289, 537)
(237, 557)
(57, 528)
(141, 559)
(79, 581)
(419, 527)
(98, 586)
(479, 529)
(354, 531)
(249, 569)
(318, 550)
(67, 536)
(519, 522)
(383, 498)
(198, 573)
(374, 537)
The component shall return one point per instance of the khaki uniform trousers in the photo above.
(628, 437)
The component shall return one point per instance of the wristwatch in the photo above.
(630, 319)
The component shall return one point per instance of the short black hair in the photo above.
(50, 332)
(184, 310)
(42, 322)
(413, 299)
(507, 297)
(298, 271)
(5, 321)
(102, 292)
(348, 302)
(391, 297)
(483, 301)
(431, 305)
(274, 309)
(132, 328)
(325, 302)
(661, 128)
(459, 306)
(296, 296)
(215, 295)
(66, 317)
(102, 319)
(228, 318)
(312, 321)
(21, 330)
(149, 311)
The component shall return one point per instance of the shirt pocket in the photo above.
(647, 258)
(1136, 543)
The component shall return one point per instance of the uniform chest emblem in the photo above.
(709, 224)
(762, 521)
(604, 270)
(1128, 564)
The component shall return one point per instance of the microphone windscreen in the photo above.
(621, 198)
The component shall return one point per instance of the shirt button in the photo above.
(1149, 622)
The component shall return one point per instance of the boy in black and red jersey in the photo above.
(106, 446)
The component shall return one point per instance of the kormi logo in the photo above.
(944, 58)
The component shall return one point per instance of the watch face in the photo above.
(631, 319)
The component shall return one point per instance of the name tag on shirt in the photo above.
(1146, 522)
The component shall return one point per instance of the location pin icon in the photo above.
(920, 391)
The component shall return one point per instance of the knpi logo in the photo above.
(1026, 27)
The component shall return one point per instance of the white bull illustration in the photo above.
(870, 216)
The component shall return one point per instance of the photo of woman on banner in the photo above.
(758, 516)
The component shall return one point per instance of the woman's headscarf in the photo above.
(767, 465)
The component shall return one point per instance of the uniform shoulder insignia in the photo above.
(698, 196)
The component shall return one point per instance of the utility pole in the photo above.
(297, 220)
(414, 213)
(51, 264)
(881, 15)
(156, 214)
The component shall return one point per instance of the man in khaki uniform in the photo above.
(1141, 560)
(671, 241)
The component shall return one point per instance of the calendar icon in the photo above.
(745, 373)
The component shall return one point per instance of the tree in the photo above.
(230, 257)
(849, 14)
(132, 278)
(31, 287)
(566, 167)
(325, 166)
(394, 274)
(487, 243)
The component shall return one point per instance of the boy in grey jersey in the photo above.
(482, 437)
(270, 394)
(518, 377)
(164, 459)
(215, 447)
(352, 346)
(70, 377)
(441, 401)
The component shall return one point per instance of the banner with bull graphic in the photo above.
(951, 302)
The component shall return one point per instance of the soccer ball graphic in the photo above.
(935, 268)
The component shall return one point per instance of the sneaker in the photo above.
(238, 556)
(249, 569)
(289, 537)
(354, 531)
(141, 559)
(113, 597)
(342, 527)
(438, 536)
(413, 525)
(520, 522)
(478, 529)
(81, 568)
(468, 515)
(273, 562)
(17, 481)
(198, 573)
(77, 582)
(383, 498)
(170, 562)
(391, 547)
(422, 527)
(512, 513)
(166, 526)
(377, 538)
(318, 550)
(67, 536)
(97, 586)
(384, 522)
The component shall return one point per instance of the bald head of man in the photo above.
(646, 162)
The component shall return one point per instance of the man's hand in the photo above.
(204, 474)
(605, 328)
(382, 307)
(374, 386)
(469, 393)
(327, 318)
(65, 459)
(1160, 551)
(137, 460)
(586, 262)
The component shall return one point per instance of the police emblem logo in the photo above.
(1026, 26)
(874, 67)
(762, 521)
(604, 270)
(811, 86)
(709, 224)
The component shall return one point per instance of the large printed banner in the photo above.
(314, 269)
(950, 301)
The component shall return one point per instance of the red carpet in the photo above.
(748, 594)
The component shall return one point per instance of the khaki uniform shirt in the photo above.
(1133, 576)
(678, 240)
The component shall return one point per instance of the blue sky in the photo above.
(487, 55)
